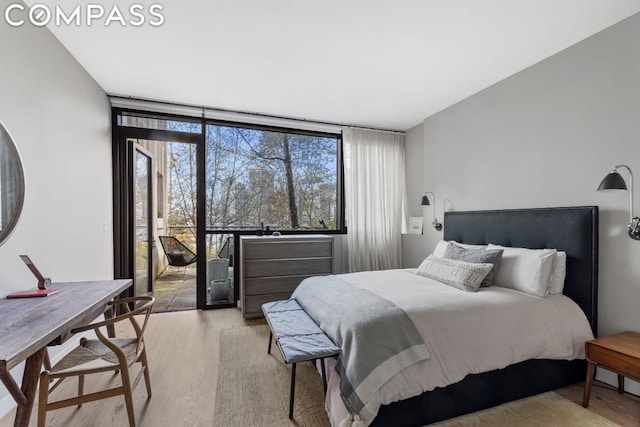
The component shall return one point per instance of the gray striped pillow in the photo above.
(462, 275)
(460, 253)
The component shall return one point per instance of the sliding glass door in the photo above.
(143, 233)
(155, 195)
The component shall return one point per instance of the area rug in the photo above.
(253, 386)
(253, 390)
(543, 410)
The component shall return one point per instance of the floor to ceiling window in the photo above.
(218, 180)
(259, 178)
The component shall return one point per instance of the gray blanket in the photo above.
(377, 338)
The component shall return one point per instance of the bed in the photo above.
(570, 229)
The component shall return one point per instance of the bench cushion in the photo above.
(298, 336)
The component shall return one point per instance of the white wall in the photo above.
(60, 120)
(414, 247)
(546, 137)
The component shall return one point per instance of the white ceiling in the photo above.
(382, 64)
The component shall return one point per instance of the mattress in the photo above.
(465, 333)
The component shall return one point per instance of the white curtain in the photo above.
(374, 192)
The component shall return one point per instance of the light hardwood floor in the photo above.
(183, 350)
(183, 355)
(622, 409)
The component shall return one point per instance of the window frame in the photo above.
(340, 196)
(122, 199)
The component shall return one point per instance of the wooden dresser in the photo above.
(272, 267)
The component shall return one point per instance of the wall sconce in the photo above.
(425, 202)
(614, 181)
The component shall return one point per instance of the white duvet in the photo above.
(466, 333)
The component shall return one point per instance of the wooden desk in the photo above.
(28, 325)
(619, 353)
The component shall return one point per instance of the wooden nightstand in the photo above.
(619, 353)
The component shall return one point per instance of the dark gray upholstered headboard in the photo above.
(570, 229)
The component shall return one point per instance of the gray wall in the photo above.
(546, 137)
(414, 246)
(60, 120)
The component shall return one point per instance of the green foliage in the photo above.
(252, 176)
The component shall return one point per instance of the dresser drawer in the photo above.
(272, 267)
(613, 360)
(270, 285)
(287, 267)
(270, 249)
(252, 307)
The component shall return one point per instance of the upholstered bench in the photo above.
(299, 338)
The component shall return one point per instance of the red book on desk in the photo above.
(32, 293)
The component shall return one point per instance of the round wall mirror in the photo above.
(11, 184)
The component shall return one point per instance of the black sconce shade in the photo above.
(613, 181)
(425, 202)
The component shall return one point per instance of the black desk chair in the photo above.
(178, 255)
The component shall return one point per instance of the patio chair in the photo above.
(102, 355)
(227, 250)
(178, 255)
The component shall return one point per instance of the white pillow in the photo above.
(525, 270)
(556, 284)
(462, 275)
(441, 247)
